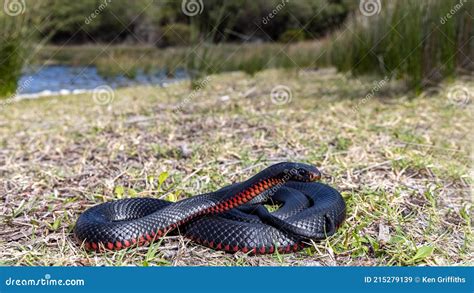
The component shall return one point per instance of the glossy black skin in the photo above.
(310, 211)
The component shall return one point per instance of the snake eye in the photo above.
(308, 175)
(303, 174)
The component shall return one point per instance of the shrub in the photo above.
(10, 66)
(177, 34)
(292, 35)
(422, 42)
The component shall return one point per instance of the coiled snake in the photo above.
(232, 218)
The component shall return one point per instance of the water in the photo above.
(62, 80)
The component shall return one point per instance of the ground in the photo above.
(401, 162)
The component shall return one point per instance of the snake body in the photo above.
(232, 218)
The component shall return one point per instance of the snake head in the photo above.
(303, 173)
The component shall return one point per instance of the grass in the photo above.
(17, 29)
(436, 37)
(10, 66)
(422, 42)
(402, 164)
(128, 61)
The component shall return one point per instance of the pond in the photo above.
(64, 80)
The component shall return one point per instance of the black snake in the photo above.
(233, 218)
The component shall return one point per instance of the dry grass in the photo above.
(403, 165)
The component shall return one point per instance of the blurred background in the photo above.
(108, 99)
(51, 45)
